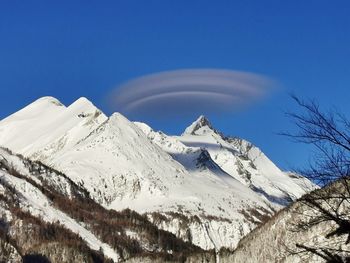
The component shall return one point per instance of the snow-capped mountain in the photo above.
(46, 127)
(46, 217)
(202, 186)
(235, 157)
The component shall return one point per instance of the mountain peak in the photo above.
(201, 122)
(48, 99)
(81, 102)
(43, 102)
(84, 108)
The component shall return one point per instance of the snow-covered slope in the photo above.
(35, 216)
(46, 126)
(123, 169)
(34, 201)
(202, 186)
(234, 157)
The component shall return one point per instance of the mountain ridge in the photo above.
(225, 182)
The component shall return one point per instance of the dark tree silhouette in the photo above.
(329, 133)
(35, 258)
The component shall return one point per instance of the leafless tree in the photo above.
(329, 133)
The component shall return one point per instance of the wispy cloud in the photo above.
(192, 91)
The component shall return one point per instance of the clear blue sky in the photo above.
(69, 49)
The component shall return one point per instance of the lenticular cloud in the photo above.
(190, 91)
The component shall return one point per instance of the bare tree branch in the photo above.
(329, 133)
